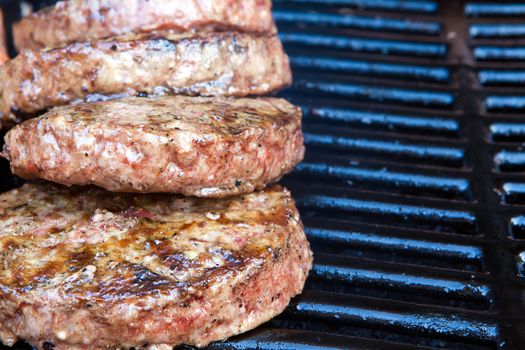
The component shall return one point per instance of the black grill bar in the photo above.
(417, 6)
(501, 30)
(379, 94)
(416, 151)
(416, 248)
(363, 44)
(502, 77)
(389, 121)
(475, 9)
(278, 339)
(406, 71)
(398, 210)
(359, 22)
(414, 283)
(513, 192)
(396, 316)
(383, 177)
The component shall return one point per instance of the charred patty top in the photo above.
(208, 64)
(87, 20)
(92, 269)
(207, 147)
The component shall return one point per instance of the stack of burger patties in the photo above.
(169, 229)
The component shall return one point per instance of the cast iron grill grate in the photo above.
(412, 191)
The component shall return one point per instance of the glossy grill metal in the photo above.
(412, 190)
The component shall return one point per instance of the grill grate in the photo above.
(412, 189)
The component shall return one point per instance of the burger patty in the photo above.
(86, 20)
(90, 269)
(202, 146)
(231, 64)
(4, 56)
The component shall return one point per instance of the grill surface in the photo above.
(412, 191)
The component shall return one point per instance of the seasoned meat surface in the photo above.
(231, 64)
(202, 146)
(4, 56)
(90, 269)
(88, 20)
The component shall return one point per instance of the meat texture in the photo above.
(4, 56)
(89, 269)
(202, 146)
(209, 64)
(89, 20)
